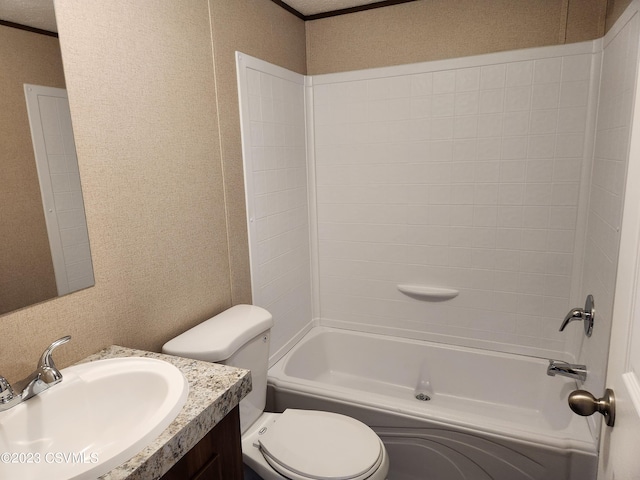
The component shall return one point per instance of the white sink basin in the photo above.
(100, 415)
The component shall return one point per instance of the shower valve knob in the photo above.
(585, 314)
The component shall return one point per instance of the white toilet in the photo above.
(296, 444)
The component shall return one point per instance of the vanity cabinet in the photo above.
(218, 456)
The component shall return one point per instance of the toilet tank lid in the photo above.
(219, 337)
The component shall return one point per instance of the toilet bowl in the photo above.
(309, 444)
(295, 444)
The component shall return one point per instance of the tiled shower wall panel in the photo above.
(462, 177)
(277, 199)
(611, 157)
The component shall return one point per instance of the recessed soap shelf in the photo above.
(425, 292)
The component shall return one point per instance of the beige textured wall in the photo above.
(436, 29)
(139, 78)
(26, 269)
(261, 29)
(144, 101)
(614, 10)
(585, 20)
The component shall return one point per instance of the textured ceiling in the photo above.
(313, 7)
(33, 13)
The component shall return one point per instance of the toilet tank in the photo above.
(238, 337)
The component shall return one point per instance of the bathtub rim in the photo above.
(583, 440)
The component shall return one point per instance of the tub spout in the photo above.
(558, 367)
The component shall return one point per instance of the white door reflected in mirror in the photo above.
(59, 178)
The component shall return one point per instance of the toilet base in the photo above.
(251, 455)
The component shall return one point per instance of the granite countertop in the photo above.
(214, 390)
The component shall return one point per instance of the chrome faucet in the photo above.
(585, 314)
(558, 367)
(45, 376)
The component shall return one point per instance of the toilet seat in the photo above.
(309, 444)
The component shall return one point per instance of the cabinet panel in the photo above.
(218, 456)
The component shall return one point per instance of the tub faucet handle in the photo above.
(574, 314)
(585, 314)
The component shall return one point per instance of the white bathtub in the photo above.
(490, 415)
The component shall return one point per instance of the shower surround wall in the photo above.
(606, 196)
(465, 174)
(471, 173)
(274, 152)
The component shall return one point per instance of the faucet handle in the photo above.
(585, 314)
(46, 367)
(574, 314)
(6, 392)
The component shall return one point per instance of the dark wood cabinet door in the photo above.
(218, 456)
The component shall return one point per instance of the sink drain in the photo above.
(423, 397)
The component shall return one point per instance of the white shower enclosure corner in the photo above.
(472, 173)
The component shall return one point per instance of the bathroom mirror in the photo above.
(44, 243)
